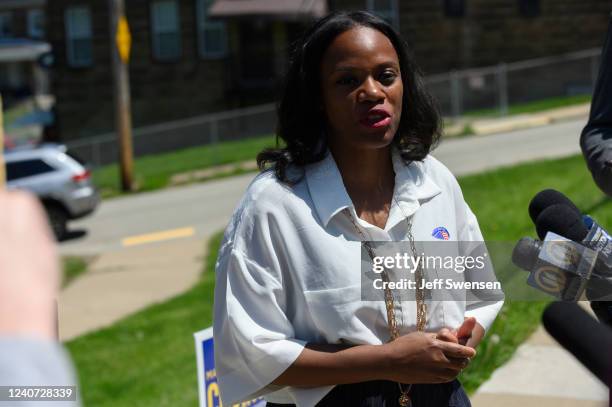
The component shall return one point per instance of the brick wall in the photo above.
(161, 91)
(493, 30)
(490, 32)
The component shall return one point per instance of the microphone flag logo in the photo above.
(441, 233)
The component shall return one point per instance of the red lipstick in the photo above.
(376, 118)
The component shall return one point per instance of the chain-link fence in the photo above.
(457, 92)
(498, 87)
(207, 129)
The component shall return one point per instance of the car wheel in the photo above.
(58, 220)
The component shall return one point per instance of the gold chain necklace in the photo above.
(404, 399)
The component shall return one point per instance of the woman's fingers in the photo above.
(460, 363)
(465, 330)
(459, 335)
(446, 335)
(454, 350)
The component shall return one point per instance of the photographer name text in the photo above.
(437, 284)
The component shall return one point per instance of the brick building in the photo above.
(21, 44)
(181, 65)
(191, 57)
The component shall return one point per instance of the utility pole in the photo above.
(120, 54)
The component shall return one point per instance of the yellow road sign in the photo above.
(124, 39)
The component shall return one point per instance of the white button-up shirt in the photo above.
(288, 273)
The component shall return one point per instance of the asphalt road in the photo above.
(202, 209)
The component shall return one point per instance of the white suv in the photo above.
(60, 180)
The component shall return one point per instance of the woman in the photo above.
(289, 320)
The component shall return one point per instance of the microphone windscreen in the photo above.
(525, 253)
(563, 221)
(546, 198)
(585, 338)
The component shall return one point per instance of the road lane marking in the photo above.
(158, 236)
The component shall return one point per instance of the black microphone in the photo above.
(546, 198)
(563, 220)
(585, 338)
(594, 236)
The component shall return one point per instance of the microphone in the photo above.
(595, 237)
(561, 220)
(589, 341)
(564, 222)
(557, 266)
(546, 198)
(598, 237)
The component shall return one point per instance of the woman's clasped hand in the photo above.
(427, 357)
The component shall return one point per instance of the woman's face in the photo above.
(362, 89)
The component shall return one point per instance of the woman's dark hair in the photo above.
(301, 123)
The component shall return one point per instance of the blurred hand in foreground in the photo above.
(29, 268)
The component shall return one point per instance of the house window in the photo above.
(6, 25)
(386, 9)
(79, 36)
(529, 8)
(166, 30)
(36, 23)
(454, 8)
(212, 35)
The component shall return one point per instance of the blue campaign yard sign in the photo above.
(207, 376)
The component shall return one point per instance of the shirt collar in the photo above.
(412, 186)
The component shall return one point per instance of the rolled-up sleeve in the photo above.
(484, 305)
(485, 312)
(254, 340)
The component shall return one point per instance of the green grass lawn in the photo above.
(72, 267)
(154, 171)
(148, 359)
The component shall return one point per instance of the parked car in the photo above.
(61, 181)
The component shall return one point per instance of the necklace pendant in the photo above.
(404, 400)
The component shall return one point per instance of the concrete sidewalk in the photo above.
(542, 374)
(122, 282)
